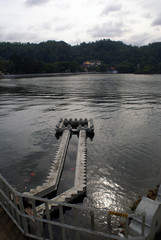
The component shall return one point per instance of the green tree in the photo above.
(16, 64)
(52, 56)
(125, 67)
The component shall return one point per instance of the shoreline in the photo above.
(32, 75)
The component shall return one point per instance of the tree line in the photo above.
(52, 57)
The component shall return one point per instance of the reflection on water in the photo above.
(123, 159)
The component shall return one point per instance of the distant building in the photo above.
(91, 63)
(112, 70)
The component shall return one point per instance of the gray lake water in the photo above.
(124, 158)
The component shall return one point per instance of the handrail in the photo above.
(14, 204)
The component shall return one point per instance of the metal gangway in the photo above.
(82, 223)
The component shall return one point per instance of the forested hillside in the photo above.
(52, 56)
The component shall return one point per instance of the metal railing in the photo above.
(78, 223)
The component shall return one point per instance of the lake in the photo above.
(124, 157)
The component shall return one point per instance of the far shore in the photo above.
(32, 75)
(6, 76)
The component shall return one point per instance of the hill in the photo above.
(52, 56)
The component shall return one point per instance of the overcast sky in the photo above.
(136, 22)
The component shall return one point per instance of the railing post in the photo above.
(76, 223)
(92, 220)
(62, 221)
(2, 199)
(6, 192)
(15, 200)
(48, 218)
(126, 227)
(12, 208)
(92, 224)
(24, 220)
(38, 224)
(109, 222)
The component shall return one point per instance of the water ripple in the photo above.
(123, 158)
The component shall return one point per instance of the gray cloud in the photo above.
(2, 34)
(47, 26)
(147, 15)
(63, 5)
(63, 28)
(139, 39)
(112, 8)
(1, 28)
(150, 5)
(35, 2)
(20, 37)
(157, 21)
(107, 30)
